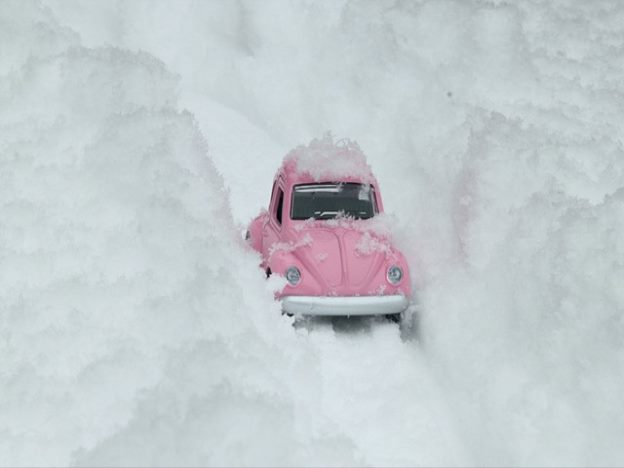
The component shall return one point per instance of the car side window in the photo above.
(280, 206)
(374, 198)
(272, 191)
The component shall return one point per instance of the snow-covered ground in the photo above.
(137, 138)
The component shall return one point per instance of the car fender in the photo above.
(280, 260)
(254, 231)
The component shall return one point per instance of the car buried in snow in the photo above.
(325, 233)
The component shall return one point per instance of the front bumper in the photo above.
(344, 305)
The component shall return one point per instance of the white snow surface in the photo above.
(136, 138)
(328, 160)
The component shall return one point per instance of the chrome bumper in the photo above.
(344, 305)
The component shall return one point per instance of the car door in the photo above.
(273, 223)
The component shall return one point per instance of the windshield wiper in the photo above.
(325, 214)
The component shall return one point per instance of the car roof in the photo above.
(324, 160)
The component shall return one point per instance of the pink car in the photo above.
(326, 234)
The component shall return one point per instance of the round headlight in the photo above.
(395, 274)
(293, 276)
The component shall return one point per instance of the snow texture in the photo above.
(136, 138)
(326, 160)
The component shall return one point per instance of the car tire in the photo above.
(395, 318)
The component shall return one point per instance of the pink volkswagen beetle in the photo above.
(325, 232)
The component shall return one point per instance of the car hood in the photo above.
(342, 260)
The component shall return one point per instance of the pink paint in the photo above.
(336, 257)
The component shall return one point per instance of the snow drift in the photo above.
(493, 129)
(135, 328)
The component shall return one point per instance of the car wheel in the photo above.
(395, 318)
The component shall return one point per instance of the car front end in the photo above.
(341, 271)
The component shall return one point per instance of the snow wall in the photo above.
(135, 326)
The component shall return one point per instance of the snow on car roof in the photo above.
(324, 159)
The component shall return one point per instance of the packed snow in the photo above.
(138, 138)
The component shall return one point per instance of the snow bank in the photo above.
(528, 339)
(493, 128)
(136, 329)
(485, 123)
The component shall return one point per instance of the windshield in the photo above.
(327, 201)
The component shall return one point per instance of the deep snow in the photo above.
(136, 138)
